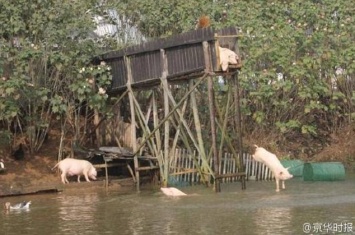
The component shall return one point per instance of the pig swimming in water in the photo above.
(274, 164)
(70, 166)
(172, 192)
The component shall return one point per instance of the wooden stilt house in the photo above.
(167, 87)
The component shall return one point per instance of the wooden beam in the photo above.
(132, 173)
(189, 132)
(109, 165)
(145, 168)
(212, 109)
(225, 114)
(171, 112)
(133, 119)
(195, 112)
(238, 122)
(239, 174)
(166, 114)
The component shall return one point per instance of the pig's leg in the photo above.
(283, 184)
(277, 185)
(64, 178)
(78, 178)
(86, 176)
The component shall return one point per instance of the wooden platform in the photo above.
(184, 54)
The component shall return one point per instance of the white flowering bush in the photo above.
(91, 85)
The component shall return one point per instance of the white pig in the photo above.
(274, 164)
(227, 57)
(71, 166)
(172, 192)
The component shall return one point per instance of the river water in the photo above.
(303, 208)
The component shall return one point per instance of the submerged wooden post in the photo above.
(212, 115)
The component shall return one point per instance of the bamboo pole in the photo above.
(205, 164)
(172, 111)
(197, 121)
(133, 120)
(146, 131)
(212, 113)
(178, 130)
(143, 124)
(227, 138)
(165, 85)
(238, 121)
(156, 121)
(196, 160)
(223, 130)
(156, 132)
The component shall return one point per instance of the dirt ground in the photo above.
(35, 171)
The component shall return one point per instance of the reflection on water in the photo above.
(269, 220)
(257, 210)
(77, 212)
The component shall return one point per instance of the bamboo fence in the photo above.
(182, 169)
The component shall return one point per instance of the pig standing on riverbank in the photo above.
(70, 166)
(274, 164)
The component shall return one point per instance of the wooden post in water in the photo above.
(166, 114)
(197, 123)
(212, 115)
(133, 121)
(238, 124)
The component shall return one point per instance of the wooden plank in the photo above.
(183, 172)
(106, 176)
(145, 168)
(212, 110)
(132, 173)
(230, 175)
(184, 57)
(133, 120)
(109, 165)
(187, 38)
(165, 85)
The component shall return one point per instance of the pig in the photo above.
(274, 164)
(227, 57)
(71, 166)
(172, 192)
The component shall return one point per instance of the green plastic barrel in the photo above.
(323, 171)
(295, 167)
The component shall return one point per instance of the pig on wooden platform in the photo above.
(71, 166)
(274, 164)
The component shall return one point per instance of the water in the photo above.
(258, 210)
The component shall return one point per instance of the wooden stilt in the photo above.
(172, 111)
(212, 115)
(205, 165)
(133, 121)
(166, 113)
(106, 175)
(197, 126)
(238, 124)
